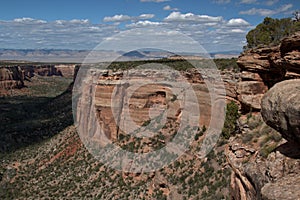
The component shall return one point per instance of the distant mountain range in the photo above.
(78, 56)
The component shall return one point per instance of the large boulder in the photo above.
(281, 109)
(286, 188)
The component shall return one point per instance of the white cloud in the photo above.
(284, 8)
(267, 12)
(237, 22)
(247, 1)
(146, 16)
(144, 23)
(83, 34)
(222, 1)
(80, 21)
(178, 17)
(168, 7)
(66, 34)
(271, 2)
(237, 30)
(258, 11)
(123, 18)
(117, 18)
(156, 1)
(28, 20)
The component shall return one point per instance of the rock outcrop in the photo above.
(265, 86)
(281, 109)
(11, 77)
(65, 70)
(263, 67)
(285, 188)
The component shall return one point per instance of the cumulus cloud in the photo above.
(237, 30)
(237, 22)
(144, 24)
(29, 20)
(168, 7)
(117, 18)
(80, 21)
(156, 1)
(123, 18)
(66, 34)
(190, 17)
(83, 34)
(207, 30)
(267, 12)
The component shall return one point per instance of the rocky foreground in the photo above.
(264, 165)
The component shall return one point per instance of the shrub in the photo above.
(230, 124)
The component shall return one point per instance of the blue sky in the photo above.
(218, 25)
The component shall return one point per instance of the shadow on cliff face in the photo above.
(29, 120)
(290, 149)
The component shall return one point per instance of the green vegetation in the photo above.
(179, 65)
(200, 133)
(229, 64)
(41, 113)
(271, 31)
(48, 86)
(230, 124)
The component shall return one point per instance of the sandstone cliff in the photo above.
(150, 99)
(14, 76)
(261, 68)
(11, 77)
(65, 70)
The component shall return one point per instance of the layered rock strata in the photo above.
(263, 67)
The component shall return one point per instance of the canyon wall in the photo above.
(134, 103)
(65, 70)
(11, 77)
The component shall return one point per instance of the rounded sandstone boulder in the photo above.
(280, 109)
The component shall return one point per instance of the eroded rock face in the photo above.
(140, 104)
(263, 67)
(281, 109)
(65, 70)
(11, 77)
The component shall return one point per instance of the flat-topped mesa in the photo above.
(143, 95)
(65, 70)
(263, 67)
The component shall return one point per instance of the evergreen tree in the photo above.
(271, 31)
